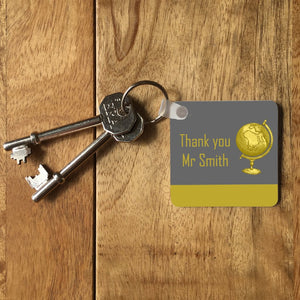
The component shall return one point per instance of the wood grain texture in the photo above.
(49, 251)
(2, 154)
(201, 50)
(296, 141)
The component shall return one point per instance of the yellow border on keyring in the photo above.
(238, 195)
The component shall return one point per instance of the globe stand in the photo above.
(251, 170)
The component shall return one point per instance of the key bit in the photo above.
(36, 182)
(20, 153)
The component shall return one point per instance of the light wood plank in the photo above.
(49, 250)
(203, 50)
(296, 142)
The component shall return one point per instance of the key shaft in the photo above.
(113, 123)
(59, 177)
(36, 138)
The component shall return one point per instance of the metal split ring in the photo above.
(144, 82)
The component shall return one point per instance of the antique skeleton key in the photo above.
(119, 120)
(114, 123)
(108, 117)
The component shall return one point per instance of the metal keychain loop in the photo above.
(144, 82)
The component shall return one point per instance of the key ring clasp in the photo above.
(145, 82)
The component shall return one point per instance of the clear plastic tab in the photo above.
(172, 110)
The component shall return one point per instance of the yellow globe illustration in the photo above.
(254, 141)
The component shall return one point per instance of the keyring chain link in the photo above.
(144, 82)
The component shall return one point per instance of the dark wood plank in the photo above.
(203, 50)
(2, 154)
(49, 248)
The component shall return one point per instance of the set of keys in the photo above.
(119, 120)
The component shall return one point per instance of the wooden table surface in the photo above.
(111, 231)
